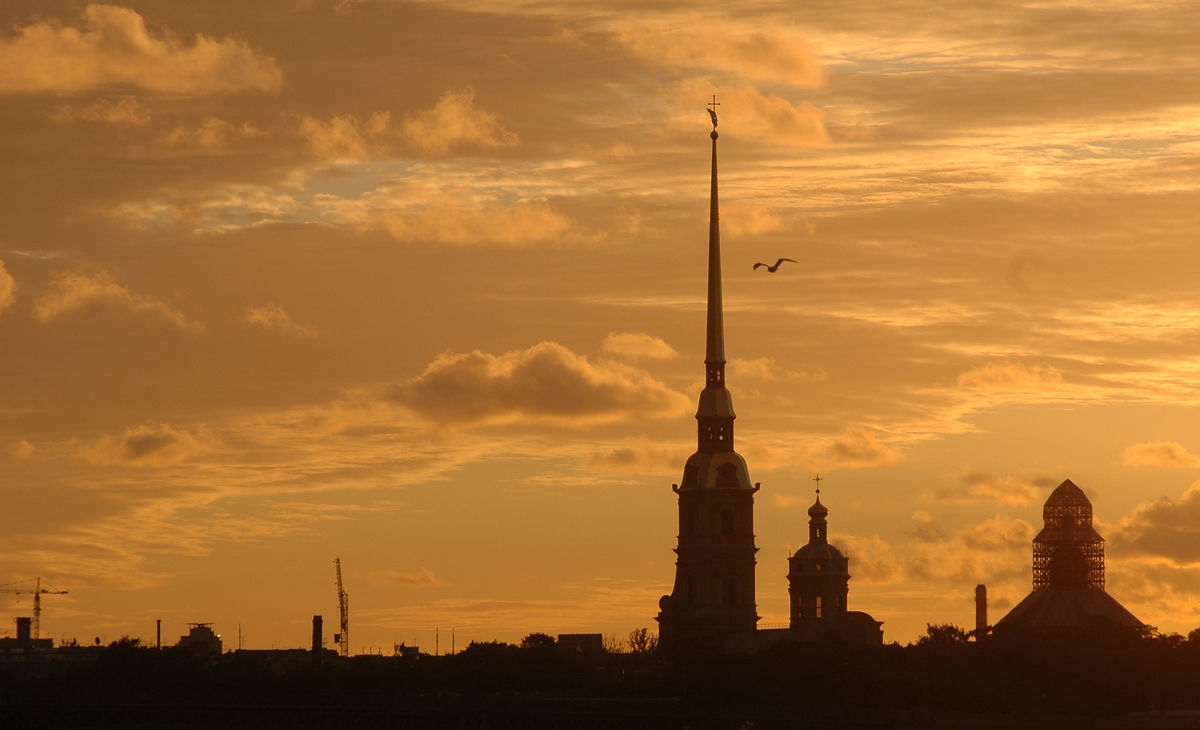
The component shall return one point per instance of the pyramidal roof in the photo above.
(1068, 493)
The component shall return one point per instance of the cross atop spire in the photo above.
(712, 112)
(817, 479)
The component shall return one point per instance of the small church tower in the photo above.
(818, 574)
(818, 585)
(713, 594)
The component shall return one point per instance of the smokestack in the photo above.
(24, 630)
(317, 651)
(981, 624)
(158, 633)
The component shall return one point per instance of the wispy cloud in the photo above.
(274, 317)
(124, 111)
(753, 50)
(74, 292)
(148, 444)
(418, 577)
(114, 48)
(1011, 376)
(637, 345)
(980, 486)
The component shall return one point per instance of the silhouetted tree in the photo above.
(942, 635)
(613, 644)
(641, 641)
(537, 640)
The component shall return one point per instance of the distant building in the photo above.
(24, 639)
(1068, 573)
(201, 640)
(819, 584)
(580, 643)
(713, 593)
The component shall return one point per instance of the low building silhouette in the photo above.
(201, 640)
(1068, 573)
(24, 638)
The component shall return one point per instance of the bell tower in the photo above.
(713, 594)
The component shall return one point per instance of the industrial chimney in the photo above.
(981, 624)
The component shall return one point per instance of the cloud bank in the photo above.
(114, 48)
(544, 382)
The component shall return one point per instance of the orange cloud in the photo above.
(990, 488)
(769, 369)
(637, 344)
(8, 288)
(995, 550)
(1160, 453)
(1011, 376)
(114, 48)
(766, 52)
(856, 447)
(642, 458)
(274, 317)
(344, 137)
(1165, 528)
(451, 218)
(210, 134)
(149, 445)
(455, 121)
(104, 111)
(747, 219)
(753, 113)
(546, 381)
(77, 292)
(871, 560)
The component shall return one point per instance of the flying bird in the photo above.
(712, 113)
(774, 268)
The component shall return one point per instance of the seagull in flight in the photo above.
(774, 268)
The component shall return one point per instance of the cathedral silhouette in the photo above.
(713, 598)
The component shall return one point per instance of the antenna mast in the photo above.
(343, 638)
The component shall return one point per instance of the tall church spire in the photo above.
(715, 414)
(713, 594)
(714, 354)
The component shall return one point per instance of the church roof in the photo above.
(1068, 609)
(817, 553)
(1068, 493)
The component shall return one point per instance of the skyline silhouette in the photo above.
(424, 294)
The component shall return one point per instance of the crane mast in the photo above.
(37, 602)
(342, 638)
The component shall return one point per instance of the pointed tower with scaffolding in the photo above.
(713, 594)
(1068, 573)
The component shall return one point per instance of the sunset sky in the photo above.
(421, 285)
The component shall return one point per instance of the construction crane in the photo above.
(37, 592)
(342, 638)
